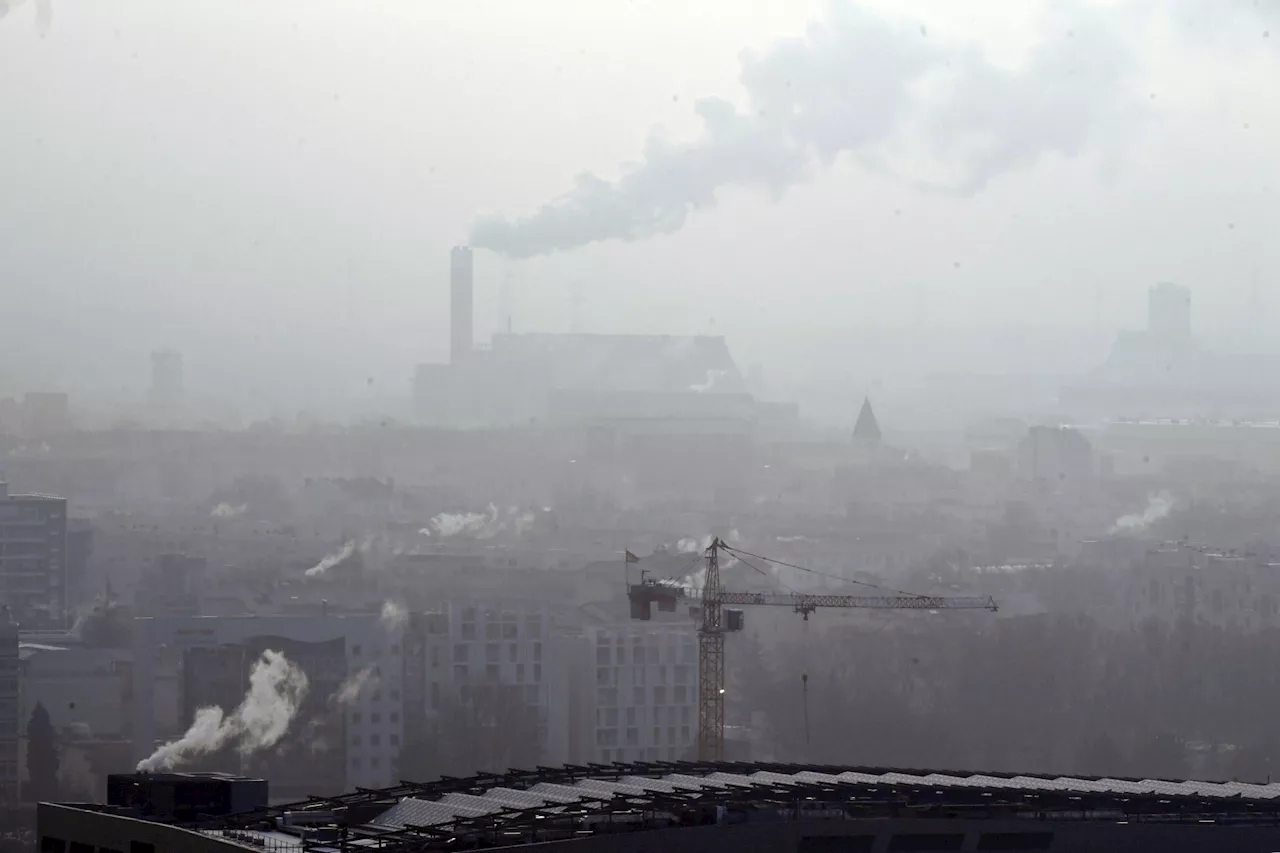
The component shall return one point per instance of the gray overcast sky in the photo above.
(273, 187)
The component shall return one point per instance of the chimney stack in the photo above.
(461, 301)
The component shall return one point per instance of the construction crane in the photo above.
(714, 622)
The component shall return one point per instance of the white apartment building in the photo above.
(645, 698)
(474, 644)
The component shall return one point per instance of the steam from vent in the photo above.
(330, 560)
(481, 525)
(1158, 506)
(394, 616)
(351, 689)
(853, 84)
(276, 690)
(226, 510)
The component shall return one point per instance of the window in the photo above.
(355, 650)
(492, 631)
(394, 694)
(622, 655)
(537, 651)
(375, 740)
(684, 734)
(493, 672)
(637, 696)
(657, 735)
(633, 736)
(606, 755)
(377, 695)
(468, 630)
(671, 734)
(435, 695)
(394, 740)
(678, 695)
(513, 652)
(602, 656)
(631, 716)
(375, 717)
(492, 652)
(537, 672)
(659, 695)
(922, 841)
(519, 673)
(461, 652)
(375, 763)
(509, 630)
(533, 625)
(460, 672)
(611, 716)
(394, 717)
(684, 714)
(395, 648)
(637, 653)
(355, 764)
(355, 718)
(435, 655)
(355, 740)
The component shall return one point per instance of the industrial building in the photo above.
(670, 383)
(33, 558)
(682, 806)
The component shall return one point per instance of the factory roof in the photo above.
(624, 363)
(550, 803)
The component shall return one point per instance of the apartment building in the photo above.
(10, 722)
(33, 568)
(644, 703)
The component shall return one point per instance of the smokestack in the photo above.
(460, 304)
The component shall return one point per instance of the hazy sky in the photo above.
(273, 187)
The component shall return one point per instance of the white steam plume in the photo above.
(226, 510)
(394, 616)
(330, 560)
(276, 690)
(350, 690)
(854, 84)
(1158, 506)
(480, 525)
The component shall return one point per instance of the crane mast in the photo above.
(711, 663)
(713, 626)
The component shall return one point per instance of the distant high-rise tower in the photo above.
(461, 304)
(166, 379)
(1169, 313)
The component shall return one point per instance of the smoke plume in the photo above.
(853, 84)
(1158, 506)
(394, 616)
(330, 560)
(350, 690)
(226, 510)
(276, 690)
(481, 525)
(44, 13)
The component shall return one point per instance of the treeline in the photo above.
(1051, 693)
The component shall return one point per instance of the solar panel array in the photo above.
(413, 811)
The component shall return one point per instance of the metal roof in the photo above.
(548, 803)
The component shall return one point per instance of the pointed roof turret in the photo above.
(867, 429)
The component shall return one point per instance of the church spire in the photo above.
(867, 430)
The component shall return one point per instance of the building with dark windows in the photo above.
(33, 558)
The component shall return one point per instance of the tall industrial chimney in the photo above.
(460, 304)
